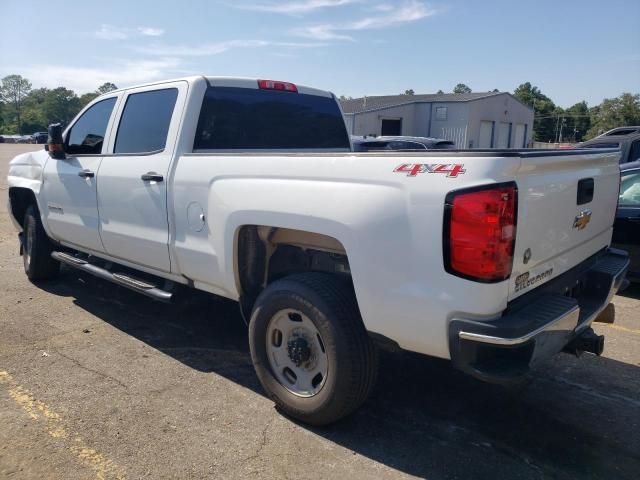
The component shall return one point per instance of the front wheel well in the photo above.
(265, 254)
(19, 200)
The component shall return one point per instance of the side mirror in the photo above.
(55, 143)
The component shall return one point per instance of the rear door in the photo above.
(133, 177)
(69, 189)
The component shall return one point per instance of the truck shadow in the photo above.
(578, 419)
(632, 291)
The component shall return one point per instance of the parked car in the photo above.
(371, 144)
(249, 189)
(626, 231)
(39, 137)
(1, 139)
(627, 139)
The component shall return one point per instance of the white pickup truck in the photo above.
(248, 189)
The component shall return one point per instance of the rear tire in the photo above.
(37, 248)
(341, 365)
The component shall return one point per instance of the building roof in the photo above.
(365, 104)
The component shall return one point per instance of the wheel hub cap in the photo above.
(296, 353)
(299, 350)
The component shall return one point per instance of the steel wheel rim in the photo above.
(296, 353)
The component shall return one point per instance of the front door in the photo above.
(132, 180)
(70, 207)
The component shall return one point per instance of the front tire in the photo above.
(310, 348)
(37, 248)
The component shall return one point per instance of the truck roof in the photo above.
(238, 82)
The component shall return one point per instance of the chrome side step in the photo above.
(118, 278)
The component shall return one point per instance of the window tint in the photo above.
(634, 151)
(87, 134)
(245, 118)
(624, 131)
(145, 121)
(630, 189)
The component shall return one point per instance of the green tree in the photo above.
(409, 92)
(13, 91)
(615, 112)
(61, 105)
(547, 115)
(87, 97)
(461, 88)
(440, 92)
(44, 106)
(106, 88)
(578, 121)
(34, 118)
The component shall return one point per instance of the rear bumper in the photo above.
(539, 324)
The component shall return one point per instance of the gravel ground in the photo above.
(98, 382)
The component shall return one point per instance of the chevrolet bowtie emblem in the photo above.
(582, 219)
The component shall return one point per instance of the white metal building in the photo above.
(471, 120)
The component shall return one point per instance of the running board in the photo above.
(121, 279)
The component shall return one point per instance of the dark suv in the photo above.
(626, 139)
(39, 137)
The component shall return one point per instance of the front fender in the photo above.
(26, 172)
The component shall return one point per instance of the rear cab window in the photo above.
(234, 118)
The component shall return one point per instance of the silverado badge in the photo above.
(582, 219)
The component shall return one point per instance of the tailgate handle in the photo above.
(585, 191)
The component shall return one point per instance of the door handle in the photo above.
(86, 173)
(152, 177)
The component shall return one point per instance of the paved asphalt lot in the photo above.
(98, 382)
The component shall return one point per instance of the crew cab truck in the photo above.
(248, 189)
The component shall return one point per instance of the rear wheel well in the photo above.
(265, 254)
(20, 199)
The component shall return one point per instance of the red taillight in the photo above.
(277, 85)
(480, 232)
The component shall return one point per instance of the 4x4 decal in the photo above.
(412, 169)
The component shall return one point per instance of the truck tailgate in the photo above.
(566, 210)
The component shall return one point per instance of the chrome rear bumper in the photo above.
(539, 324)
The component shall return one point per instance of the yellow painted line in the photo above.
(623, 329)
(103, 467)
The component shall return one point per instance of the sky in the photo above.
(572, 50)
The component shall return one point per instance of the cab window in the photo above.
(145, 121)
(87, 134)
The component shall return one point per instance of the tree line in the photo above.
(24, 109)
